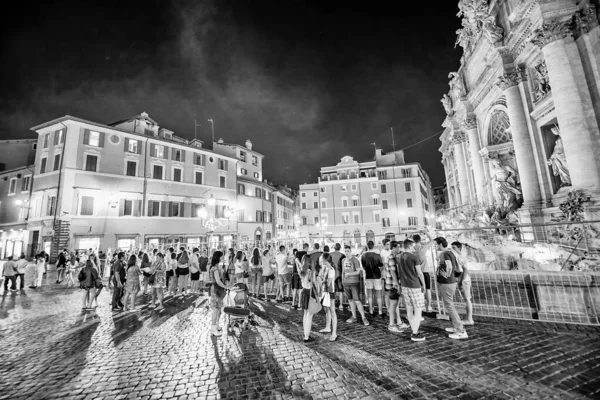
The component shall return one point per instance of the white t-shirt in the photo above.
(281, 260)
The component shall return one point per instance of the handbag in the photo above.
(98, 283)
(151, 279)
(314, 307)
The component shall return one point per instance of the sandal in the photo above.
(333, 338)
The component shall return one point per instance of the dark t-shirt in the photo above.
(444, 273)
(119, 268)
(407, 269)
(372, 263)
(315, 260)
(337, 258)
(202, 263)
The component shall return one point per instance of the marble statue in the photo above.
(447, 102)
(492, 31)
(456, 83)
(558, 160)
(505, 185)
(542, 81)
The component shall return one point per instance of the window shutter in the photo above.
(149, 211)
(173, 151)
(101, 140)
(86, 136)
(182, 155)
(126, 145)
(166, 153)
(170, 208)
(56, 137)
(225, 164)
(152, 149)
(163, 208)
(139, 147)
(203, 159)
(182, 209)
(121, 207)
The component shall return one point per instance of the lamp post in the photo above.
(321, 226)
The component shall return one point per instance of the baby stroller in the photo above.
(236, 309)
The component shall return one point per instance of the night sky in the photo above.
(308, 83)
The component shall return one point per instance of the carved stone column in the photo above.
(445, 161)
(572, 100)
(470, 125)
(509, 83)
(461, 165)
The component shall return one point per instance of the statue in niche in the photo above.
(447, 103)
(505, 185)
(542, 81)
(558, 160)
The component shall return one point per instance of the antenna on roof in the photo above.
(393, 142)
(196, 124)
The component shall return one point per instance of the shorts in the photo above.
(351, 290)
(267, 278)
(170, 273)
(216, 302)
(427, 278)
(183, 271)
(195, 276)
(296, 282)
(376, 284)
(305, 298)
(256, 271)
(466, 289)
(413, 297)
(284, 279)
(338, 285)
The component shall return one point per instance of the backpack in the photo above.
(456, 261)
(184, 259)
(81, 276)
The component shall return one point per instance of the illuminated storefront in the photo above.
(13, 242)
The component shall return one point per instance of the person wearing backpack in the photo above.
(183, 271)
(448, 269)
(87, 281)
(464, 282)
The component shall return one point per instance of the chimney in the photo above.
(248, 144)
(220, 141)
(144, 114)
(378, 153)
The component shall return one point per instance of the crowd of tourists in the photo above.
(307, 279)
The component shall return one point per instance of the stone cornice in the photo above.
(551, 31)
(509, 80)
(470, 123)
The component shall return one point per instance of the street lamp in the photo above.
(321, 226)
(212, 201)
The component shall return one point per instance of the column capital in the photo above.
(470, 123)
(459, 137)
(584, 21)
(509, 80)
(550, 31)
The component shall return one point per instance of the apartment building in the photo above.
(354, 202)
(127, 184)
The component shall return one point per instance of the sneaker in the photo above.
(403, 326)
(310, 339)
(394, 328)
(467, 322)
(417, 337)
(366, 322)
(324, 330)
(451, 330)
(429, 309)
(462, 335)
(351, 320)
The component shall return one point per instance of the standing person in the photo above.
(448, 268)
(239, 268)
(296, 282)
(71, 270)
(315, 257)
(413, 287)
(268, 274)
(372, 264)
(146, 263)
(61, 264)
(283, 274)
(88, 283)
(183, 270)
(255, 272)
(385, 274)
(97, 282)
(337, 257)
(424, 255)
(464, 282)
(195, 271)
(328, 289)
(170, 272)
(392, 286)
(10, 272)
(230, 270)
(351, 271)
(132, 286)
(203, 267)
(41, 268)
(118, 276)
(21, 265)
(157, 280)
(310, 289)
(219, 288)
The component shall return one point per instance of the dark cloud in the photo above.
(306, 82)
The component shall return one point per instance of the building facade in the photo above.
(355, 202)
(523, 115)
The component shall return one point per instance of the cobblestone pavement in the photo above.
(51, 349)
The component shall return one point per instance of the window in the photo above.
(344, 202)
(200, 159)
(382, 174)
(149, 132)
(198, 178)
(59, 137)
(259, 216)
(374, 185)
(344, 188)
(322, 190)
(223, 164)
(316, 220)
(243, 156)
(377, 217)
(257, 175)
(56, 166)
(51, 206)
(412, 221)
(375, 201)
(43, 165)
(12, 187)
(304, 206)
(303, 194)
(157, 172)
(175, 209)
(177, 155)
(26, 183)
(383, 188)
(153, 208)
(407, 186)
(255, 161)
(405, 172)
(241, 188)
(46, 140)
(87, 205)
(356, 218)
(315, 205)
(345, 218)
(257, 192)
(384, 204)
(354, 187)
(222, 181)
(94, 139)
(177, 174)
(91, 163)
(385, 222)
(131, 168)
(244, 171)
(127, 207)
(354, 202)
(409, 203)
(315, 194)
(159, 151)
(323, 203)
(132, 145)
(304, 221)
